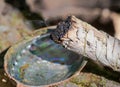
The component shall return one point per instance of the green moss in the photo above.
(101, 71)
(0, 47)
(93, 85)
(79, 82)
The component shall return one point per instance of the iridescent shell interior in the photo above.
(41, 61)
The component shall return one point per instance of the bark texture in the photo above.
(86, 40)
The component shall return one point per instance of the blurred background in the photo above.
(19, 18)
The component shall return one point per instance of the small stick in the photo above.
(87, 41)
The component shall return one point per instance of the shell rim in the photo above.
(83, 63)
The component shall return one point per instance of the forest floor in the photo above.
(14, 27)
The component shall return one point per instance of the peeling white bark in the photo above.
(84, 39)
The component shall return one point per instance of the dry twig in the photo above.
(86, 40)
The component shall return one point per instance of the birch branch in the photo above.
(86, 40)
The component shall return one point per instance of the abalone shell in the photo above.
(40, 61)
